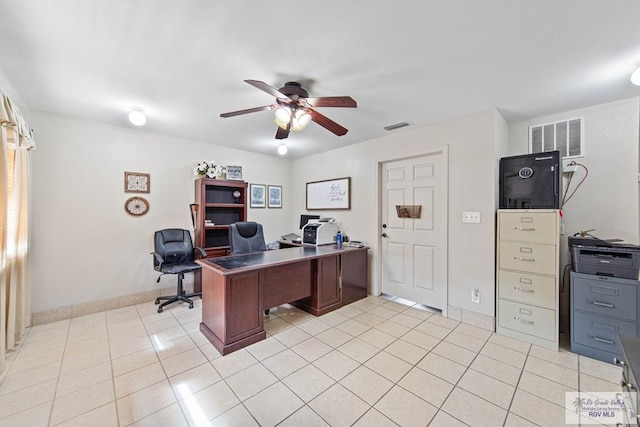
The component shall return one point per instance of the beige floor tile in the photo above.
(389, 366)
(183, 362)
(334, 318)
(418, 312)
(367, 384)
(238, 416)
(442, 419)
(598, 369)
(383, 312)
(536, 410)
(171, 416)
(465, 341)
(405, 408)
(275, 326)
(593, 384)
(406, 351)
(358, 350)
(125, 334)
(406, 320)
(266, 348)
(274, 404)
(303, 417)
(133, 361)
(336, 364)
(473, 410)
(103, 416)
(503, 354)
(250, 381)
(139, 379)
(234, 362)
(195, 379)
(543, 388)
(456, 353)
(37, 416)
(445, 322)
(398, 304)
(35, 360)
(209, 351)
(488, 388)
(292, 336)
(426, 386)
(393, 328)
(157, 324)
(377, 338)
(338, 406)
(284, 363)
(314, 326)
(442, 367)
(515, 421)
(353, 327)
(122, 348)
(562, 358)
(172, 348)
(145, 402)
(334, 337)
(83, 378)
(30, 377)
(79, 402)
(311, 349)
(496, 369)
(88, 359)
(207, 403)
(31, 347)
(308, 382)
(27, 398)
(510, 343)
(421, 339)
(551, 371)
(374, 418)
(433, 329)
(167, 335)
(474, 331)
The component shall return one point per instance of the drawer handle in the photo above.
(524, 321)
(618, 362)
(626, 384)
(525, 228)
(519, 258)
(524, 290)
(602, 340)
(601, 304)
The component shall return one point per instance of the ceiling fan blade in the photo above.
(269, 89)
(332, 101)
(248, 110)
(282, 133)
(327, 123)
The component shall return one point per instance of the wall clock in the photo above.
(136, 206)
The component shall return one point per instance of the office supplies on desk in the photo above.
(291, 236)
(320, 232)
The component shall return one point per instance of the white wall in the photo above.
(474, 143)
(85, 247)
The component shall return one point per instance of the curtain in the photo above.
(16, 140)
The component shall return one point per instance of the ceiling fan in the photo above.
(295, 110)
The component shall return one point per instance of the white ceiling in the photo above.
(420, 61)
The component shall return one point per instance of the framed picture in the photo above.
(329, 194)
(135, 182)
(275, 196)
(234, 173)
(257, 196)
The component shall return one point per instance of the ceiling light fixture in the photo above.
(282, 149)
(635, 76)
(137, 117)
(299, 118)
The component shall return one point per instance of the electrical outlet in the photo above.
(472, 217)
(475, 296)
(561, 228)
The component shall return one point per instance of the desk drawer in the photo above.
(600, 332)
(533, 227)
(605, 296)
(527, 288)
(536, 321)
(530, 257)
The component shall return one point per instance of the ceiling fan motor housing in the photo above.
(291, 89)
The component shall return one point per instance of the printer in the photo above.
(320, 231)
(591, 255)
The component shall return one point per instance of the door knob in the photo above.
(384, 235)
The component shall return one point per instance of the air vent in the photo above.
(396, 126)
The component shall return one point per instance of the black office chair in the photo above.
(174, 254)
(246, 237)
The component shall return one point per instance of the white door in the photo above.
(414, 250)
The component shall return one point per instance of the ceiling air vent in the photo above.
(395, 126)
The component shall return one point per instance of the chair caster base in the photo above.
(157, 301)
(191, 305)
(266, 312)
(159, 309)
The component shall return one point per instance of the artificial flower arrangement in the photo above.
(208, 169)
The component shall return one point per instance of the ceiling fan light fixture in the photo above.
(137, 116)
(283, 117)
(301, 120)
(282, 149)
(635, 76)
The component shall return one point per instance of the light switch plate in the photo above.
(471, 217)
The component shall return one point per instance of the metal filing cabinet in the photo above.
(528, 275)
(601, 309)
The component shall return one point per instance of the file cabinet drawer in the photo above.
(536, 321)
(600, 332)
(605, 296)
(534, 227)
(527, 288)
(529, 257)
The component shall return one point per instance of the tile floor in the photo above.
(377, 362)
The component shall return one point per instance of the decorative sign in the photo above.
(329, 194)
(135, 182)
(234, 173)
(408, 211)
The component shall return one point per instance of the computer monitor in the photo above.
(304, 219)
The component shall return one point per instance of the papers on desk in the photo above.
(291, 236)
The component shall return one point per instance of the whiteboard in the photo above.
(329, 194)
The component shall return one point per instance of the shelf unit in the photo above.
(215, 202)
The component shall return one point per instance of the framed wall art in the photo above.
(275, 196)
(135, 182)
(329, 194)
(257, 196)
(234, 173)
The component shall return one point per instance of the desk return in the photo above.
(237, 289)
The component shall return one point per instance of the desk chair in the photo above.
(174, 254)
(246, 237)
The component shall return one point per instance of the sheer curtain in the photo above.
(15, 292)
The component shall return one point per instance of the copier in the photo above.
(320, 231)
(591, 255)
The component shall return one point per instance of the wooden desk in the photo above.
(237, 289)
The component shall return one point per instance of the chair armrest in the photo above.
(158, 257)
(203, 253)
